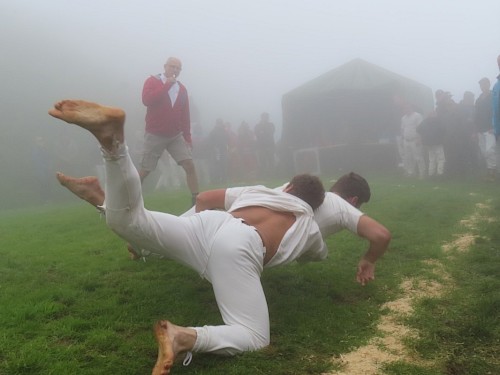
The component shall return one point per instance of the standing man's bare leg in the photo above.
(143, 174)
(191, 178)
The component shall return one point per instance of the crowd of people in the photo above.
(455, 139)
(244, 155)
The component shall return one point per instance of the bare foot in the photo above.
(105, 123)
(166, 354)
(132, 253)
(172, 340)
(86, 188)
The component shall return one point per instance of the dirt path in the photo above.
(389, 346)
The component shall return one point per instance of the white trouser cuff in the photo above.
(119, 151)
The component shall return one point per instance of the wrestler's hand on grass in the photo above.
(366, 271)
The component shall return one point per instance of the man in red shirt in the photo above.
(168, 124)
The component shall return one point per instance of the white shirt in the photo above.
(409, 124)
(302, 240)
(334, 214)
(173, 91)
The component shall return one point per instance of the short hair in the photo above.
(485, 80)
(309, 188)
(352, 185)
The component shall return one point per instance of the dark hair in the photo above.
(309, 188)
(352, 185)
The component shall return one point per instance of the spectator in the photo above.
(465, 144)
(446, 111)
(495, 95)
(264, 135)
(246, 151)
(232, 149)
(412, 144)
(482, 119)
(218, 149)
(431, 133)
(168, 125)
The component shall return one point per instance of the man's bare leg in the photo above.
(172, 340)
(191, 178)
(143, 174)
(134, 255)
(105, 123)
(86, 188)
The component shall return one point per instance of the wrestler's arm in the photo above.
(211, 200)
(218, 199)
(379, 238)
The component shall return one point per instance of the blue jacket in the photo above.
(496, 107)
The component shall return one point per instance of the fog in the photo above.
(239, 58)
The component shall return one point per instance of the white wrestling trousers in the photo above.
(221, 248)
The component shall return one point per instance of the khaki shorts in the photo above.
(155, 145)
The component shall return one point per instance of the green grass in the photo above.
(73, 303)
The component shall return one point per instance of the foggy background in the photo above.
(239, 58)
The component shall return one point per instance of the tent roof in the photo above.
(356, 74)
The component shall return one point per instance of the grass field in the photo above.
(73, 303)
